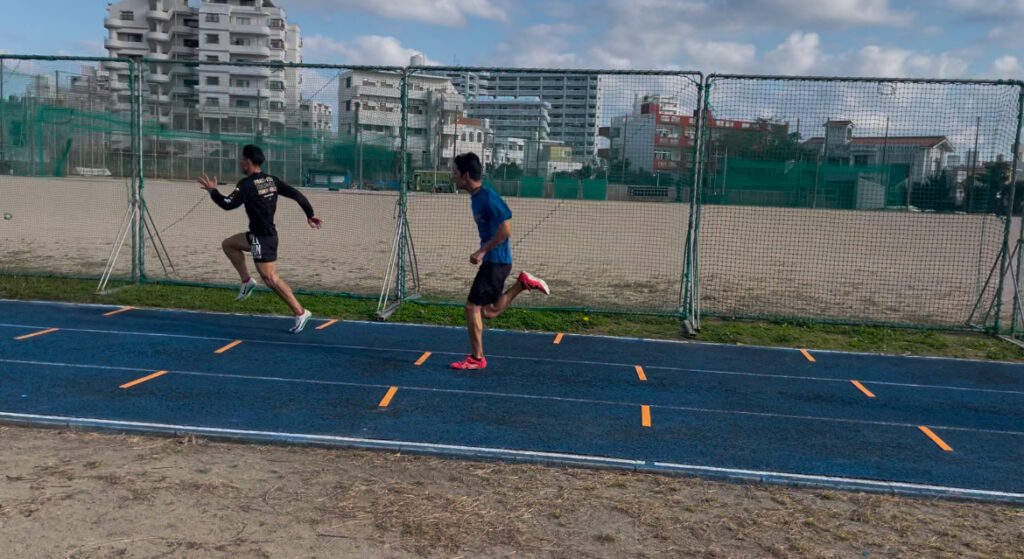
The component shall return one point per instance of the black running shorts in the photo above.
(262, 247)
(489, 283)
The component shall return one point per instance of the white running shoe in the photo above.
(300, 322)
(245, 290)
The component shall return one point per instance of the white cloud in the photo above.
(363, 50)
(721, 56)
(1008, 66)
(843, 13)
(450, 13)
(885, 61)
(799, 54)
(541, 46)
(990, 9)
(1011, 35)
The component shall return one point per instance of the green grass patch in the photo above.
(873, 339)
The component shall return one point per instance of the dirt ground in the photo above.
(861, 266)
(78, 495)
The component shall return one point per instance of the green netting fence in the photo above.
(874, 201)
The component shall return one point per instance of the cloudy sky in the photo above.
(939, 38)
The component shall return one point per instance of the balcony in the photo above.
(667, 164)
(118, 86)
(113, 66)
(158, 78)
(250, 50)
(255, 29)
(160, 98)
(117, 23)
(668, 141)
(158, 36)
(117, 44)
(158, 15)
(257, 71)
(158, 56)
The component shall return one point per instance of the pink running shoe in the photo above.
(470, 364)
(533, 283)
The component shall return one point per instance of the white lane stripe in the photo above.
(520, 358)
(537, 333)
(767, 475)
(689, 409)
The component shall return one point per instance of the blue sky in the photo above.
(940, 38)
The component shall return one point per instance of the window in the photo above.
(242, 83)
(277, 24)
(243, 20)
(860, 159)
(480, 136)
(348, 106)
(192, 22)
(247, 3)
(275, 85)
(130, 37)
(463, 138)
(127, 16)
(305, 123)
(212, 39)
(242, 103)
(212, 18)
(212, 102)
(276, 44)
(212, 80)
(239, 42)
(190, 82)
(190, 43)
(213, 59)
(348, 82)
(276, 106)
(123, 78)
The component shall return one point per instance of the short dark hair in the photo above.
(469, 164)
(254, 154)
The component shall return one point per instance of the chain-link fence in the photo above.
(67, 171)
(856, 200)
(596, 168)
(844, 200)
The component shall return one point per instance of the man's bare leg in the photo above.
(493, 310)
(268, 273)
(475, 326)
(235, 248)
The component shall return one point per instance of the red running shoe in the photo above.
(470, 364)
(533, 283)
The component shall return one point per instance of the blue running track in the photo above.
(904, 425)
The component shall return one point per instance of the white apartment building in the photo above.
(513, 117)
(208, 97)
(574, 101)
(508, 151)
(370, 108)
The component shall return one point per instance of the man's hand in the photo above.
(315, 222)
(207, 184)
(477, 257)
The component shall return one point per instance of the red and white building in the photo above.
(659, 136)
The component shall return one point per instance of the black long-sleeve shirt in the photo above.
(259, 192)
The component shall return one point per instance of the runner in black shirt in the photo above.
(258, 192)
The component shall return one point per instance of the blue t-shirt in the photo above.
(490, 211)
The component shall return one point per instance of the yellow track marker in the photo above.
(118, 311)
(327, 324)
(807, 355)
(143, 379)
(34, 334)
(645, 416)
(860, 387)
(558, 338)
(423, 359)
(227, 347)
(387, 397)
(640, 373)
(935, 439)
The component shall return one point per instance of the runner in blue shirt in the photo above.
(494, 257)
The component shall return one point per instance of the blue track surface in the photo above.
(723, 411)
